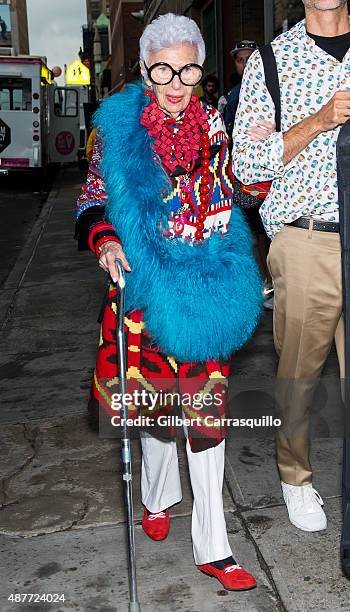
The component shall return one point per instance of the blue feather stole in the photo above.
(200, 301)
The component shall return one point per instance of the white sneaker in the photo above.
(268, 303)
(268, 293)
(304, 507)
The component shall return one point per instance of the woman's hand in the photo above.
(109, 252)
(261, 130)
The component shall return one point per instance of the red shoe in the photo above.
(232, 577)
(156, 524)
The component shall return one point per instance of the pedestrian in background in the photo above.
(240, 55)
(210, 86)
(301, 215)
(90, 144)
(3, 27)
(222, 102)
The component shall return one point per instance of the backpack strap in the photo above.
(272, 80)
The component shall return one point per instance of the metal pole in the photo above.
(134, 605)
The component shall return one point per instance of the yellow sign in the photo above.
(77, 74)
(46, 75)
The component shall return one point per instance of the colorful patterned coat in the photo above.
(147, 366)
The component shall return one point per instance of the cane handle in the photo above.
(121, 273)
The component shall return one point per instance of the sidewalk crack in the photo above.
(82, 514)
(261, 559)
(33, 437)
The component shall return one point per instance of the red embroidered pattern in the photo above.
(150, 368)
(180, 148)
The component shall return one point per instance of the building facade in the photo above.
(286, 14)
(14, 39)
(95, 8)
(96, 53)
(222, 23)
(20, 20)
(126, 29)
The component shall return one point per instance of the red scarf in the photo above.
(180, 149)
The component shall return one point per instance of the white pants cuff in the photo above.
(160, 476)
(161, 488)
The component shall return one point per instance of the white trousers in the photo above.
(161, 488)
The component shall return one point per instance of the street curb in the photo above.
(16, 277)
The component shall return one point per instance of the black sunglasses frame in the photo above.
(250, 45)
(174, 73)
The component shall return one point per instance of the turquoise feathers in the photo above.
(200, 301)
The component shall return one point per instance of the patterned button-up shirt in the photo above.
(309, 77)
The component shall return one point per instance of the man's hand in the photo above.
(261, 130)
(109, 252)
(335, 112)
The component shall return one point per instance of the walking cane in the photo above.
(134, 605)
(343, 160)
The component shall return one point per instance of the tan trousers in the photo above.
(305, 266)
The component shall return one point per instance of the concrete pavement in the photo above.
(62, 519)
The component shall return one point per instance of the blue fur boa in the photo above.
(200, 301)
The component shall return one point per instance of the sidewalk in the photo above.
(62, 519)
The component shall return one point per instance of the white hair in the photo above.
(169, 30)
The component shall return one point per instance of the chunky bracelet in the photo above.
(102, 248)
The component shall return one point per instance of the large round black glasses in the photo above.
(162, 74)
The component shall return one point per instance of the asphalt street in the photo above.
(21, 199)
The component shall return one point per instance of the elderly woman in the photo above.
(159, 197)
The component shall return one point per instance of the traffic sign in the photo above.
(77, 74)
(5, 135)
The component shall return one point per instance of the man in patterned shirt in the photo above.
(300, 214)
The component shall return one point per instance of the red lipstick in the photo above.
(174, 99)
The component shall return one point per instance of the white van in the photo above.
(39, 121)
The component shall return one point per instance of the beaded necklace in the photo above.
(182, 148)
